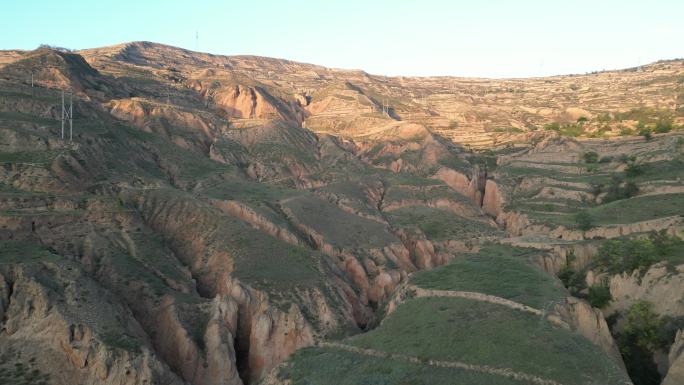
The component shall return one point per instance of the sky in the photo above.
(493, 38)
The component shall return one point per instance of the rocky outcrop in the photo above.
(493, 201)
(265, 333)
(266, 336)
(588, 322)
(675, 374)
(660, 285)
(214, 362)
(250, 102)
(53, 308)
(473, 187)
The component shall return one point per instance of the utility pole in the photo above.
(68, 114)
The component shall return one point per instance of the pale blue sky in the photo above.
(492, 38)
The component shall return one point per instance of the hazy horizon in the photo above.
(434, 38)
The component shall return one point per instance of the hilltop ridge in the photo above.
(233, 220)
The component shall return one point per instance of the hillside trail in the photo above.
(485, 369)
(477, 296)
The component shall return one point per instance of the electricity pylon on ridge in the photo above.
(68, 114)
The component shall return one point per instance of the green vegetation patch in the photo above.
(121, 341)
(41, 158)
(17, 367)
(423, 193)
(24, 252)
(492, 272)
(643, 333)
(339, 227)
(481, 333)
(438, 224)
(248, 191)
(317, 366)
(638, 209)
(626, 255)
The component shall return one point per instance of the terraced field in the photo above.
(463, 339)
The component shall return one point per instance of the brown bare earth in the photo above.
(244, 220)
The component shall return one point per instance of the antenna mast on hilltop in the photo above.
(68, 114)
(196, 40)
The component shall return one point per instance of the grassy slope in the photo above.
(317, 366)
(457, 329)
(497, 272)
(438, 224)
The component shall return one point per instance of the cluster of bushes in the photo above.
(584, 221)
(626, 255)
(620, 186)
(617, 256)
(597, 295)
(590, 157)
(662, 126)
(617, 189)
(568, 129)
(644, 332)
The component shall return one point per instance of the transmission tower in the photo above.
(68, 114)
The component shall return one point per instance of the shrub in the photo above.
(629, 190)
(555, 126)
(633, 170)
(604, 117)
(606, 159)
(624, 158)
(618, 189)
(663, 126)
(596, 189)
(584, 221)
(638, 340)
(624, 131)
(627, 255)
(590, 157)
(617, 256)
(646, 133)
(643, 324)
(573, 280)
(572, 130)
(599, 296)
(582, 119)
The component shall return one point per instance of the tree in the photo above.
(590, 157)
(599, 296)
(638, 340)
(584, 221)
(633, 170)
(646, 133)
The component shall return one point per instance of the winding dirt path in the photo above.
(421, 292)
(485, 369)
